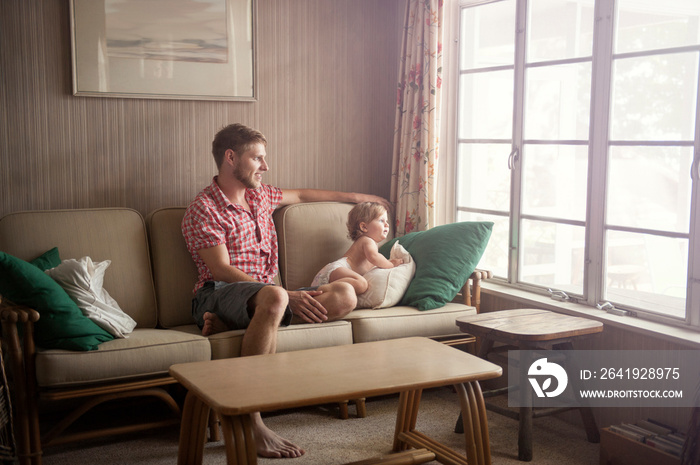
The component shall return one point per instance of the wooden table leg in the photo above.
(343, 410)
(409, 457)
(473, 413)
(361, 407)
(239, 439)
(214, 431)
(485, 346)
(587, 417)
(475, 424)
(193, 429)
(525, 415)
(409, 401)
(525, 434)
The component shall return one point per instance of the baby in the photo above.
(367, 226)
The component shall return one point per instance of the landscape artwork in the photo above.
(180, 30)
(164, 49)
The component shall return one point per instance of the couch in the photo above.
(151, 276)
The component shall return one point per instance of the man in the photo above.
(230, 234)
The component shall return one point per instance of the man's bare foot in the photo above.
(212, 324)
(270, 444)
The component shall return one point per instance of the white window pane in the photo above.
(557, 102)
(495, 258)
(483, 177)
(555, 181)
(559, 29)
(647, 272)
(487, 35)
(552, 255)
(654, 97)
(653, 24)
(486, 105)
(650, 187)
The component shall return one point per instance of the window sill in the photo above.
(683, 336)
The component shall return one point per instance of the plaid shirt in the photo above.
(250, 236)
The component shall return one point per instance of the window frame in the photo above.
(599, 145)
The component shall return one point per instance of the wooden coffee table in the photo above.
(236, 387)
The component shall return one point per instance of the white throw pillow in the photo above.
(387, 286)
(82, 280)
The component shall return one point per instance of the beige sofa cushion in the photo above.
(310, 236)
(290, 338)
(116, 234)
(397, 322)
(175, 273)
(145, 352)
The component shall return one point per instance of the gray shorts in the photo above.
(229, 301)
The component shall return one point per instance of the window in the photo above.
(578, 136)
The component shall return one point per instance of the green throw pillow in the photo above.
(445, 256)
(62, 325)
(47, 260)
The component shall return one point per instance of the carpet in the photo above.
(328, 440)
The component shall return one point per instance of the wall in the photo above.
(327, 87)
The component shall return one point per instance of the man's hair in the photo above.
(363, 212)
(236, 137)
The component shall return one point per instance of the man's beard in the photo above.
(245, 180)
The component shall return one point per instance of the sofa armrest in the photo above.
(13, 316)
(21, 352)
(471, 292)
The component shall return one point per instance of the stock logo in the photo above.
(542, 369)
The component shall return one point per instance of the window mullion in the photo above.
(693, 302)
(693, 296)
(518, 111)
(598, 150)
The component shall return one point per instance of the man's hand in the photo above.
(307, 308)
(388, 206)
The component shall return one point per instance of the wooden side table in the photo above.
(530, 329)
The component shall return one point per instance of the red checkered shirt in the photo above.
(250, 236)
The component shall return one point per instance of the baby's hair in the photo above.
(363, 212)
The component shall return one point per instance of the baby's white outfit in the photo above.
(323, 276)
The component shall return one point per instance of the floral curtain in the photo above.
(417, 127)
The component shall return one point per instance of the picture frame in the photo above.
(164, 49)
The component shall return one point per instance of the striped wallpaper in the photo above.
(327, 85)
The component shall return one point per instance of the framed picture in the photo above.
(164, 49)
